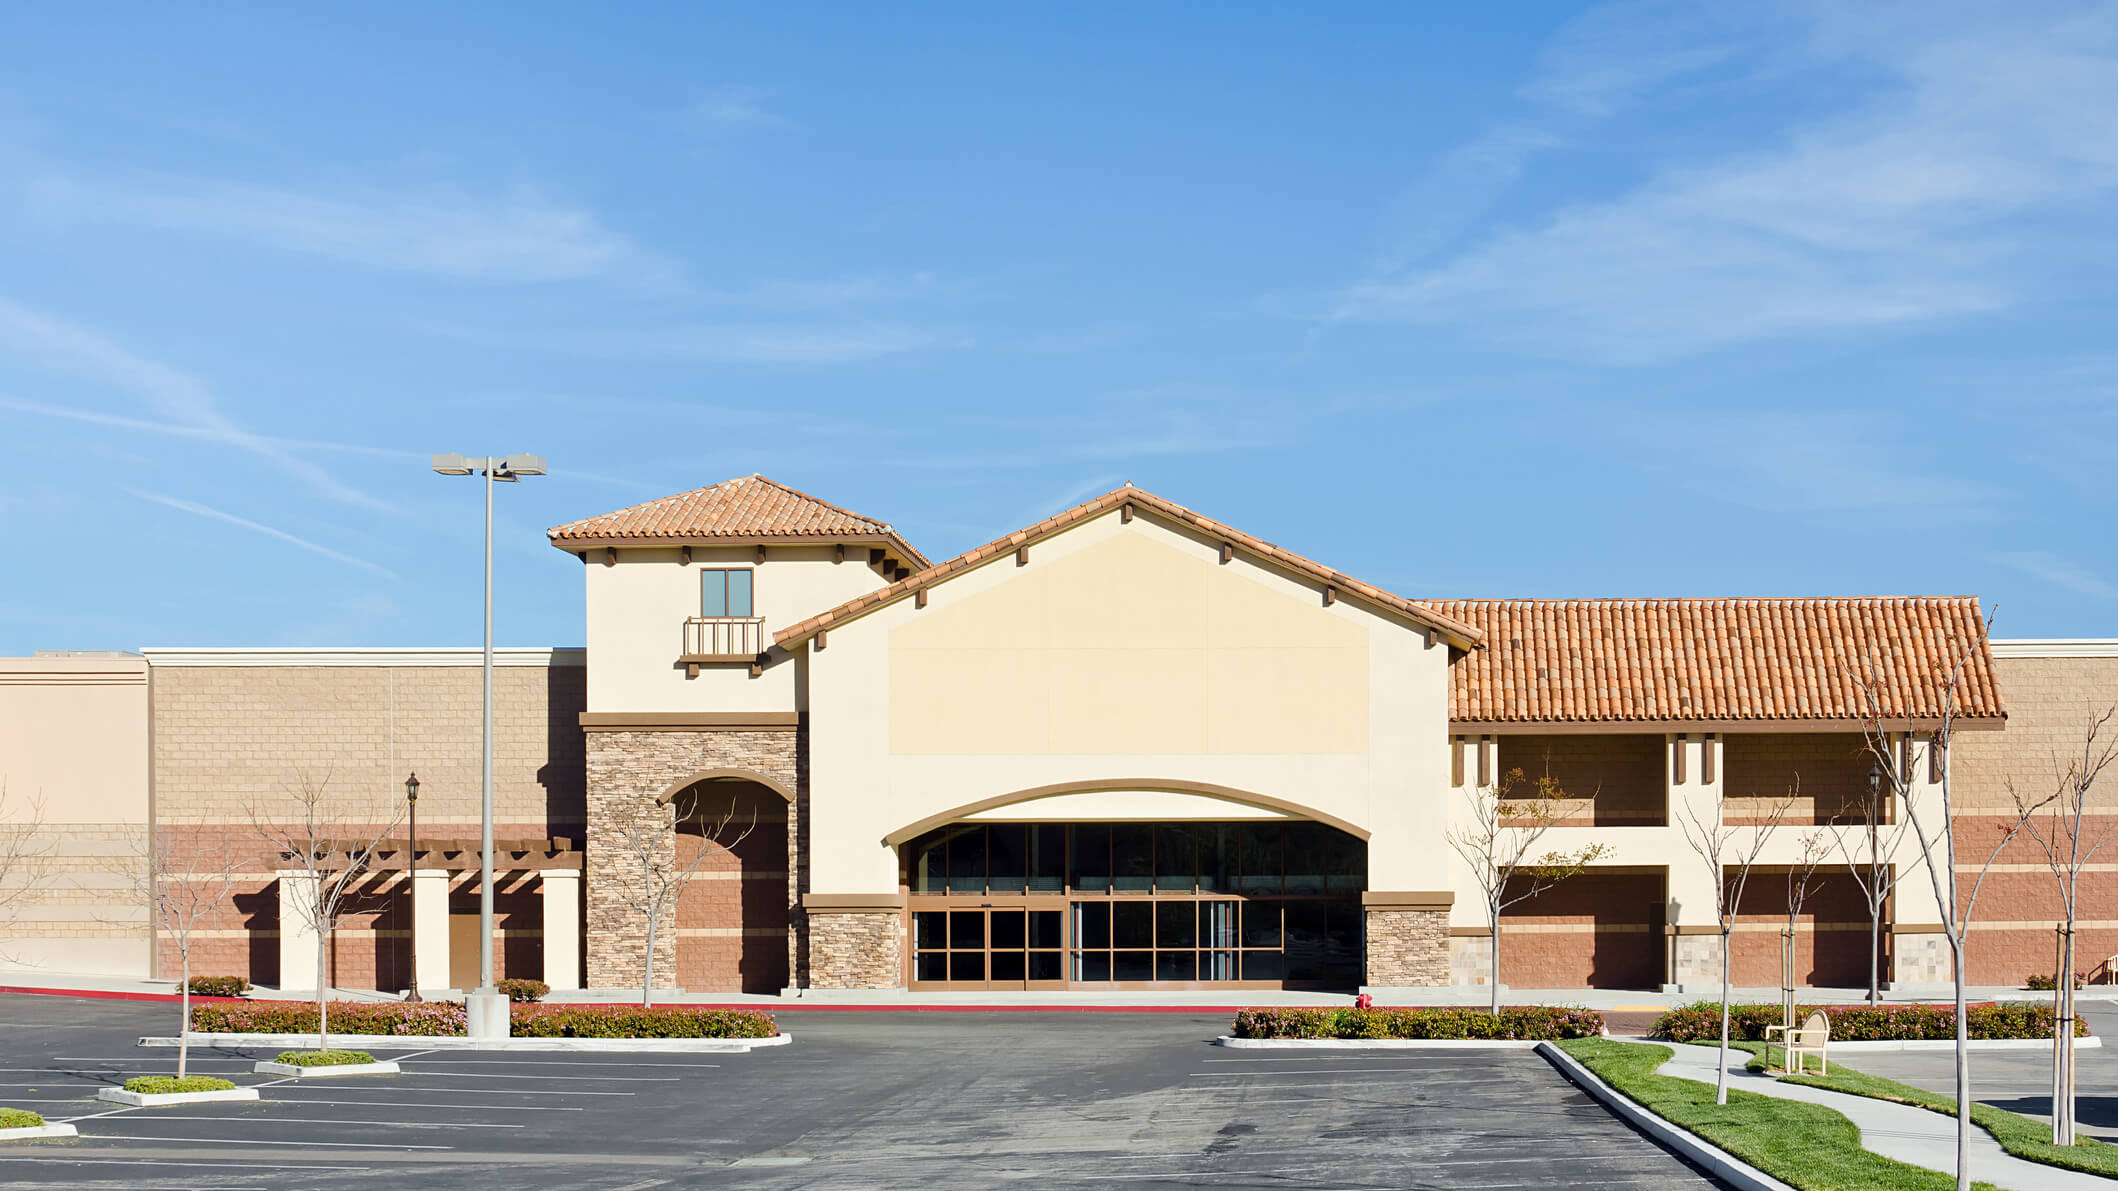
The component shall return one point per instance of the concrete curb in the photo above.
(28, 1132)
(460, 1042)
(1235, 1043)
(326, 1071)
(143, 1100)
(1719, 1162)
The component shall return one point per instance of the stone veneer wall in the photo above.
(1924, 959)
(638, 767)
(1697, 960)
(1408, 947)
(862, 949)
(1470, 960)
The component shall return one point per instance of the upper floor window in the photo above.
(725, 592)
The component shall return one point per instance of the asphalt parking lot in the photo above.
(2019, 1080)
(859, 1100)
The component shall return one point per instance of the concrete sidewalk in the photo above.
(1900, 1131)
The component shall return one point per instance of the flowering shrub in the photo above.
(1515, 1022)
(219, 986)
(424, 1018)
(524, 990)
(1700, 1021)
(634, 1021)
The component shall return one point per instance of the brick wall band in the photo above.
(1831, 936)
(732, 918)
(1597, 930)
(1826, 772)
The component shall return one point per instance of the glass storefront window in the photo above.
(1088, 858)
(1132, 857)
(1176, 925)
(1047, 852)
(1007, 858)
(1132, 924)
(1258, 855)
(1306, 857)
(967, 861)
(1176, 859)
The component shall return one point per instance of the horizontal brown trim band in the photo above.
(1434, 899)
(1761, 725)
(1691, 930)
(1918, 928)
(1470, 932)
(682, 721)
(853, 903)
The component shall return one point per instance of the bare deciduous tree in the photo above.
(1730, 860)
(2069, 842)
(649, 875)
(1499, 845)
(183, 883)
(1874, 871)
(1930, 808)
(1801, 882)
(331, 842)
(25, 856)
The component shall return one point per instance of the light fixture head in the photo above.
(523, 465)
(411, 787)
(1875, 777)
(453, 465)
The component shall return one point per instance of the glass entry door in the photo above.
(995, 946)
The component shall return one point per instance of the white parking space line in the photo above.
(464, 1107)
(236, 1165)
(297, 1120)
(251, 1141)
(548, 1075)
(1307, 1071)
(401, 1084)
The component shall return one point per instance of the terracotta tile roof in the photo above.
(1614, 661)
(747, 508)
(1460, 634)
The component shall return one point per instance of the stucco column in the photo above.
(562, 926)
(430, 930)
(1919, 950)
(1473, 768)
(297, 938)
(1694, 955)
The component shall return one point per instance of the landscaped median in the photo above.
(156, 1091)
(1520, 1026)
(442, 1025)
(20, 1124)
(324, 1064)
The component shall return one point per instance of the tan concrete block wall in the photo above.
(1470, 960)
(863, 950)
(1596, 930)
(1827, 771)
(229, 737)
(1407, 948)
(1614, 780)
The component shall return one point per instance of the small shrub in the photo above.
(1539, 1023)
(1700, 1021)
(2043, 983)
(218, 986)
(162, 1085)
(19, 1118)
(420, 1019)
(634, 1021)
(523, 991)
(323, 1058)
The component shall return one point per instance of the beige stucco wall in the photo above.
(1122, 655)
(636, 610)
(74, 765)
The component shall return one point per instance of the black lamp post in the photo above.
(1875, 862)
(411, 872)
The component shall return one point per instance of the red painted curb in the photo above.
(100, 994)
(109, 995)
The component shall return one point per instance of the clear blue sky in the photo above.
(1501, 300)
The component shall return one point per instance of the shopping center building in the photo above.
(1125, 747)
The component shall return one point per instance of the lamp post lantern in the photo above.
(411, 872)
(486, 1008)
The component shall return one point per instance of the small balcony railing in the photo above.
(723, 639)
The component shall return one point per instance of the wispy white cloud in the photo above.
(825, 293)
(1824, 466)
(2057, 571)
(1915, 203)
(70, 349)
(732, 106)
(211, 513)
(444, 231)
(197, 433)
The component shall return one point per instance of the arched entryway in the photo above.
(731, 920)
(1249, 903)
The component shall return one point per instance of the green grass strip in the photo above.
(19, 1118)
(163, 1085)
(1806, 1145)
(2025, 1137)
(323, 1058)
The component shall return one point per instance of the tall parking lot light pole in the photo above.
(486, 1008)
